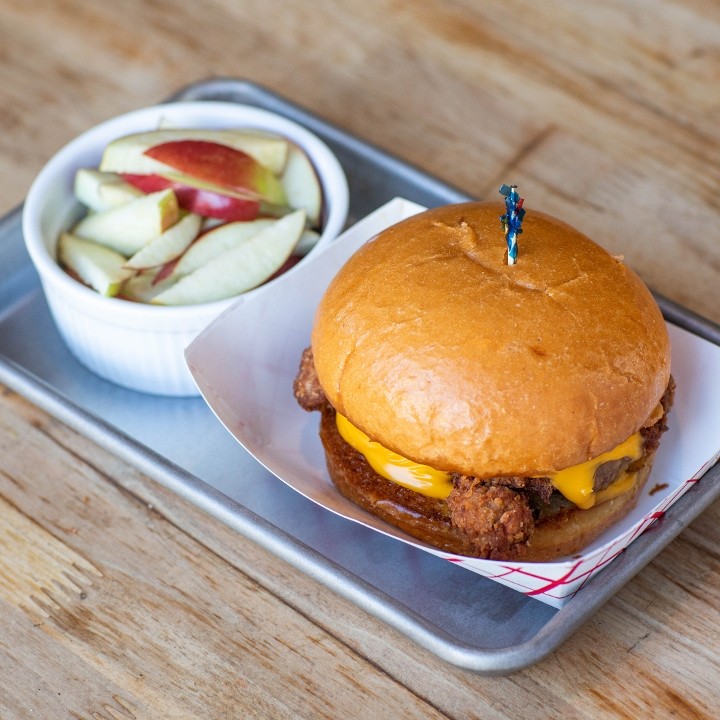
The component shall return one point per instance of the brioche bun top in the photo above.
(437, 349)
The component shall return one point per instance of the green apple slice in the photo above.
(102, 190)
(240, 268)
(216, 241)
(301, 184)
(168, 245)
(126, 154)
(99, 267)
(128, 227)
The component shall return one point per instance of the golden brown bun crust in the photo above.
(435, 348)
(428, 519)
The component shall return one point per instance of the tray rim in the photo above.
(349, 585)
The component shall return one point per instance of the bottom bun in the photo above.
(428, 519)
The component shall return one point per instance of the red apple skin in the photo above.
(217, 164)
(165, 271)
(199, 200)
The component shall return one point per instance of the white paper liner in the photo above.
(244, 364)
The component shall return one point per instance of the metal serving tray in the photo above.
(460, 616)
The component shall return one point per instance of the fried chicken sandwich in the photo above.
(490, 410)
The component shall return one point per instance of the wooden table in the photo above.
(120, 600)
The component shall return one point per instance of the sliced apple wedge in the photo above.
(102, 190)
(168, 245)
(211, 197)
(208, 223)
(217, 241)
(241, 268)
(128, 227)
(302, 185)
(200, 197)
(221, 165)
(127, 154)
(143, 287)
(99, 267)
(165, 271)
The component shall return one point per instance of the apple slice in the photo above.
(102, 190)
(143, 287)
(241, 268)
(220, 165)
(206, 199)
(198, 197)
(211, 197)
(302, 185)
(126, 154)
(128, 227)
(216, 241)
(99, 267)
(208, 223)
(168, 245)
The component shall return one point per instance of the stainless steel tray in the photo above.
(466, 619)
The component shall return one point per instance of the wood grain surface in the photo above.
(120, 600)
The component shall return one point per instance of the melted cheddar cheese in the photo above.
(421, 478)
(575, 483)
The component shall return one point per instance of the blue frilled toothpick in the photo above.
(512, 220)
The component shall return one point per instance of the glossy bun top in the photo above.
(436, 348)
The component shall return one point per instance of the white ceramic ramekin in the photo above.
(142, 346)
